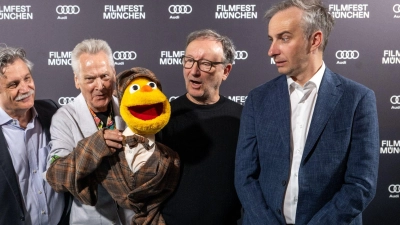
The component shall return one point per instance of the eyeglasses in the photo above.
(203, 64)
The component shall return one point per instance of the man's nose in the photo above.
(273, 50)
(195, 68)
(24, 87)
(99, 83)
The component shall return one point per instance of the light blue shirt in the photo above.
(29, 149)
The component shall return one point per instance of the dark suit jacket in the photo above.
(12, 209)
(339, 166)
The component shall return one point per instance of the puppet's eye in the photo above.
(152, 85)
(134, 88)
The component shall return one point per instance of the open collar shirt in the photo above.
(28, 149)
(302, 101)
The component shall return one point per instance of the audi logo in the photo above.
(396, 8)
(395, 99)
(127, 55)
(241, 55)
(347, 54)
(180, 9)
(65, 100)
(394, 188)
(68, 9)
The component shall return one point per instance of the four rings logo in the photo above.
(395, 99)
(180, 9)
(127, 55)
(65, 100)
(241, 55)
(396, 8)
(347, 54)
(394, 188)
(68, 9)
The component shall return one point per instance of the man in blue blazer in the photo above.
(308, 147)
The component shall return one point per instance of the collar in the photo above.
(315, 80)
(99, 123)
(7, 119)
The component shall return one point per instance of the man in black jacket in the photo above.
(24, 136)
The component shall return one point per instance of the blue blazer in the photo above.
(12, 207)
(339, 166)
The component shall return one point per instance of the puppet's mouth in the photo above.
(146, 112)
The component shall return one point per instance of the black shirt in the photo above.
(205, 137)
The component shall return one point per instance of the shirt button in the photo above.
(295, 200)
(295, 175)
(40, 192)
(34, 171)
(43, 212)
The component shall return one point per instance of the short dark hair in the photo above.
(227, 44)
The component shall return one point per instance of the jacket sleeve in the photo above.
(362, 168)
(74, 172)
(65, 132)
(247, 167)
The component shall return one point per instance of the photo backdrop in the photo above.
(364, 46)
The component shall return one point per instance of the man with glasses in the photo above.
(203, 129)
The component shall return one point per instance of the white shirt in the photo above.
(138, 156)
(302, 101)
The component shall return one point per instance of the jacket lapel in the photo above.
(282, 102)
(329, 95)
(8, 170)
(84, 116)
(119, 122)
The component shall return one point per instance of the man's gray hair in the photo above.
(8, 55)
(227, 44)
(90, 46)
(315, 17)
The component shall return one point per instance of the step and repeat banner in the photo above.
(364, 46)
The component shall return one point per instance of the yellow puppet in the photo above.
(139, 176)
(146, 110)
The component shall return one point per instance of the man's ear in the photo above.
(227, 70)
(114, 74)
(316, 40)
(76, 81)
